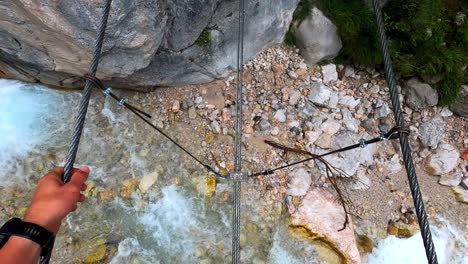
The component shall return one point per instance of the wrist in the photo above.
(41, 219)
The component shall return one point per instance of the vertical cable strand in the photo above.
(80, 119)
(405, 148)
(238, 137)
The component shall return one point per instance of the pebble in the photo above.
(263, 125)
(330, 127)
(446, 112)
(444, 160)
(280, 116)
(349, 71)
(351, 123)
(329, 73)
(275, 131)
(324, 141)
(176, 106)
(432, 131)
(382, 111)
(293, 75)
(192, 113)
(349, 101)
(374, 89)
(451, 179)
(464, 155)
(215, 127)
(198, 100)
(312, 136)
(464, 183)
(299, 183)
(294, 98)
(147, 181)
(143, 153)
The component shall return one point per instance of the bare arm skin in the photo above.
(51, 203)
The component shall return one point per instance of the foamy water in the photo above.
(180, 232)
(27, 118)
(450, 244)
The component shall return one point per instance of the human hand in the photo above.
(53, 200)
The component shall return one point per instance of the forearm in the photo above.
(20, 250)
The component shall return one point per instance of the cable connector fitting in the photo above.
(362, 143)
(108, 91)
(383, 136)
(236, 176)
(122, 102)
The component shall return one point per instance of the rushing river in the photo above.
(174, 221)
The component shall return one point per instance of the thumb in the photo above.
(79, 176)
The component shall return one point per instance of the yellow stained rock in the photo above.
(21, 211)
(224, 196)
(107, 195)
(365, 244)
(97, 254)
(402, 230)
(90, 190)
(223, 172)
(210, 183)
(461, 195)
(392, 230)
(147, 181)
(209, 138)
(128, 187)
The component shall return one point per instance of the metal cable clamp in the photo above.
(236, 176)
(122, 102)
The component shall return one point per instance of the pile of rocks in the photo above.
(321, 108)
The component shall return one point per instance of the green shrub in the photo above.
(204, 40)
(356, 27)
(424, 37)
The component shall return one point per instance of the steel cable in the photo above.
(238, 137)
(80, 119)
(405, 148)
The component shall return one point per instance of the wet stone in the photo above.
(192, 113)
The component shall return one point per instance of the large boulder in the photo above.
(419, 95)
(460, 107)
(317, 38)
(148, 42)
(322, 217)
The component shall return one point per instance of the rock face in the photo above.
(461, 106)
(322, 216)
(148, 42)
(419, 95)
(317, 38)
